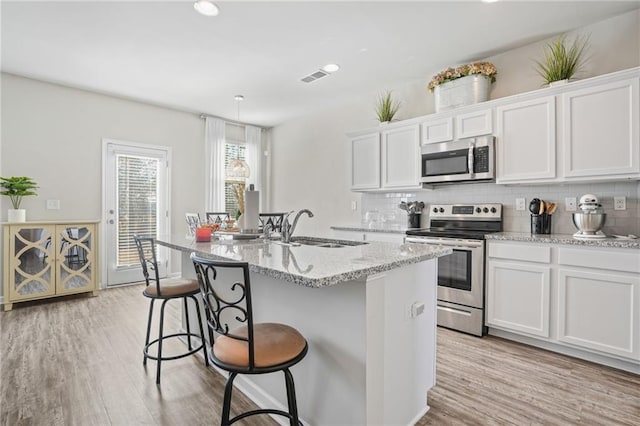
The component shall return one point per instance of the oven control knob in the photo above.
(441, 210)
(478, 209)
(486, 210)
(493, 210)
(435, 210)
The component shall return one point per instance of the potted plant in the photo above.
(15, 188)
(464, 85)
(561, 60)
(386, 108)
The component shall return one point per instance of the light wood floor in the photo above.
(78, 361)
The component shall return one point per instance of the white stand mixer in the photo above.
(591, 218)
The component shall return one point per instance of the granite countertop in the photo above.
(309, 266)
(361, 227)
(565, 239)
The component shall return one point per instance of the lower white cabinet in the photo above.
(518, 297)
(585, 298)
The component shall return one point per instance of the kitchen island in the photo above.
(367, 312)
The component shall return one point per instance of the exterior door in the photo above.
(136, 190)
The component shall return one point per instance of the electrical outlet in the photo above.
(53, 204)
(570, 204)
(354, 205)
(520, 202)
(619, 203)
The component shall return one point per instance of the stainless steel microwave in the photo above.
(464, 160)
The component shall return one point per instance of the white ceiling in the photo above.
(166, 53)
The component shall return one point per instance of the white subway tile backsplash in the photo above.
(621, 222)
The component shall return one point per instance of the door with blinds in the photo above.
(136, 190)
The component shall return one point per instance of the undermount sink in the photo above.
(325, 243)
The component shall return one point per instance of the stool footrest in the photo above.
(262, 411)
(168, 358)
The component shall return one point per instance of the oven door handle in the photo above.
(459, 244)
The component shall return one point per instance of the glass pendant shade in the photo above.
(237, 170)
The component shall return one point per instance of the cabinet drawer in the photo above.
(616, 260)
(526, 253)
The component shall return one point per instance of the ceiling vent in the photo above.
(315, 76)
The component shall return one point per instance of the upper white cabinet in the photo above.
(457, 126)
(582, 132)
(437, 130)
(600, 131)
(389, 159)
(365, 162)
(400, 157)
(526, 134)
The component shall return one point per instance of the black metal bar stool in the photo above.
(250, 348)
(166, 290)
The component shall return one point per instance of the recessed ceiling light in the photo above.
(331, 68)
(489, 1)
(206, 7)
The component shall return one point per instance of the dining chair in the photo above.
(193, 221)
(165, 290)
(241, 346)
(213, 217)
(273, 219)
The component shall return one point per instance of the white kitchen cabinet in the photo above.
(577, 300)
(386, 160)
(401, 157)
(600, 131)
(365, 162)
(585, 131)
(437, 130)
(518, 291)
(599, 300)
(474, 123)
(526, 141)
(457, 126)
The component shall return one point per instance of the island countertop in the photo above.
(310, 266)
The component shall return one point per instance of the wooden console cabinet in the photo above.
(46, 259)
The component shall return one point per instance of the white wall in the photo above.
(54, 134)
(310, 155)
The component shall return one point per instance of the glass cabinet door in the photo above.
(75, 266)
(30, 262)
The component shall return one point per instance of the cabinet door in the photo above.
(365, 162)
(31, 260)
(600, 311)
(600, 131)
(75, 268)
(401, 157)
(526, 141)
(518, 297)
(473, 124)
(439, 130)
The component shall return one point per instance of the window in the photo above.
(234, 148)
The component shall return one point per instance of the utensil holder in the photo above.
(413, 220)
(541, 223)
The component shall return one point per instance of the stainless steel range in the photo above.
(461, 277)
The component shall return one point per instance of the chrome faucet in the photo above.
(287, 230)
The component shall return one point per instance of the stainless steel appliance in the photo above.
(590, 219)
(464, 160)
(461, 277)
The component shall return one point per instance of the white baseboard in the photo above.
(420, 415)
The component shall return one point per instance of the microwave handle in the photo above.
(470, 159)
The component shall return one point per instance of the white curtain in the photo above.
(214, 168)
(253, 138)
